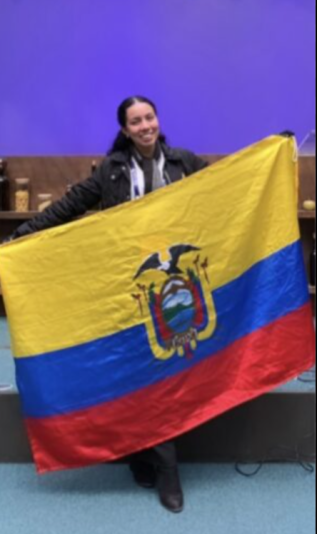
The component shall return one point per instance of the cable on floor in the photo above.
(296, 456)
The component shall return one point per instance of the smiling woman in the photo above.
(138, 163)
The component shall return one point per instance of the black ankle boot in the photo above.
(144, 473)
(170, 490)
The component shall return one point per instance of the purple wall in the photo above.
(224, 73)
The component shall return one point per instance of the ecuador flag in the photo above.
(139, 323)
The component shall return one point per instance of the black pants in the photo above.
(163, 455)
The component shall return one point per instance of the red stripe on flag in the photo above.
(248, 368)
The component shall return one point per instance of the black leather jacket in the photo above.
(108, 186)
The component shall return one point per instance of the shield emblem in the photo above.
(180, 307)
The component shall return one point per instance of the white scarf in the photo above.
(138, 180)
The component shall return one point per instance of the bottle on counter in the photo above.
(22, 195)
(4, 187)
(68, 187)
(44, 200)
(312, 264)
(93, 166)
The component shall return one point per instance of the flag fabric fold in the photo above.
(136, 324)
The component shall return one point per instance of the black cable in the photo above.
(246, 474)
(308, 377)
(295, 456)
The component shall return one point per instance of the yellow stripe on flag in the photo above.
(75, 283)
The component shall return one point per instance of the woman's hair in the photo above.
(122, 142)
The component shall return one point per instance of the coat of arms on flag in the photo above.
(181, 305)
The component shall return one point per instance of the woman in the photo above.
(139, 162)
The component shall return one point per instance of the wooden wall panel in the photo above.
(307, 174)
(48, 174)
(53, 174)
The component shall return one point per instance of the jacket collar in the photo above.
(171, 154)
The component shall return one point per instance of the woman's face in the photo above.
(142, 126)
